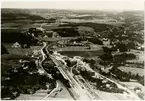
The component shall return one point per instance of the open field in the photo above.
(40, 94)
(50, 26)
(64, 94)
(95, 50)
(104, 21)
(19, 50)
(140, 56)
(132, 85)
(111, 96)
(80, 48)
(56, 38)
(19, 25)
(82, 53)
(133, 70)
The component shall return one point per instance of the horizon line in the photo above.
(79, 9)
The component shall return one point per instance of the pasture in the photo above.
(21, 51)
(80, 51)
(133, 70)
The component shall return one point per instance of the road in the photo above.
(41, 62)
(44, 56)
(53, 91)
(42, 69)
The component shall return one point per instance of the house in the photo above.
(40, 29)
(16, 45)
(34, 31)
(45, 36)
(25, 46)
(55, 34)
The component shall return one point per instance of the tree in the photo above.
(107, 50)
(95, 40)
(3, 50)
(106, 57)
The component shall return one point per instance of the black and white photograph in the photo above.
(72, 50)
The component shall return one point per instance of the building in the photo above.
(16, 45)
(55, 34)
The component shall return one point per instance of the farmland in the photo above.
(56, 38)
(20, 25)
(108, 21)
(133, 70)
(83, 51)
(21, 51)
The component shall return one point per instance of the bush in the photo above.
(3, 50)
(90, 61)
(122, 47)
(95, 40)
(107, 50)
(106, 57)
(67, 32)
(124, 56)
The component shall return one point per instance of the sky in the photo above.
(79, 4)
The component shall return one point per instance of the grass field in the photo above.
(80, 52)
(19, 25)
(140, 55)
(133, 70)
(56, 38)
(80, 48)
(40, 94)
(101, 21)
(132, 85)
(21, 51)
(71, 51)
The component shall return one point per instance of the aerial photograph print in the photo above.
(72, 50)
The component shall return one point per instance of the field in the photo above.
(21, 51)
(40, 94)
(140, 56)
(111, 96)
(64, 94)
(133, 70)
(56, 38)
(132, 85)
(50, 26)
(80, 51)
(98, 27)
(104, 21)
(19, 25)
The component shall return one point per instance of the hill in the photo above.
(18, 14)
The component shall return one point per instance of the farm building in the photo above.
(16, 45)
